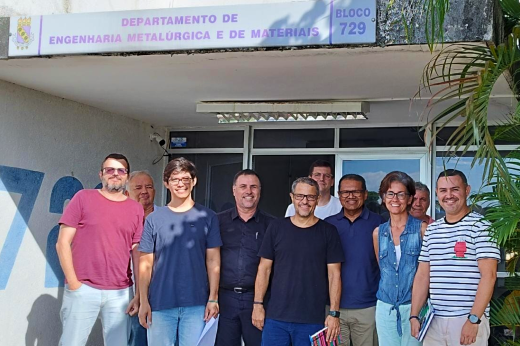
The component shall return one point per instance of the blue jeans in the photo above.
(187, 322)
(386, 325)
(137, 333)
(278, 333)
(81, 308)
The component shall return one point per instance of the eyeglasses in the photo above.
(319, 175)
(175, 181)
(354, 193)
(310, 198)
(400, 195)
(112, 170)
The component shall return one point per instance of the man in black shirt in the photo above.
(304, 255)
(242, 230)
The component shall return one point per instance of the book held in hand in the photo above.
(320, 339)
(425, 318)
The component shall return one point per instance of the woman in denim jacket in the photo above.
(397, 244)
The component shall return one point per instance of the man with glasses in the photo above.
(304, 255)
(360, 271)
(181, 243)
(98, 231)
(321, 172)
(242, 229)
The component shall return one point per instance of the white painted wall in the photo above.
(10, 8)
(56, 137)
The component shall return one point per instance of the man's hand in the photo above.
(74, 285)
(258, 316)
(469, 333)
(211, 311)
(415, 326)
(145, 315)
(333, 324)
(133, 306)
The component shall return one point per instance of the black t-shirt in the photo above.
(299, 284)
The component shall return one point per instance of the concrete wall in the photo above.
(49, 149)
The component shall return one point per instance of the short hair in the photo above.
(355, 177)
(177, 165)
(118, 157)
(320, 163)
(136, 173)
(305, 180)
(400, 177)
(452, 173)
(246, 172)
(421, 187)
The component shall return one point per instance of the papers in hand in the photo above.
(320, 339)
(209, 334)
(425, 318)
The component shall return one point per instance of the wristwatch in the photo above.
(334, 313)
(474, 319)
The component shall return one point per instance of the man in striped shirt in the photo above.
(458, 266)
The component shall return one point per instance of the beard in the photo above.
(113, 187)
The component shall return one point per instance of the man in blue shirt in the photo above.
(242, 229)
(181, 243)
(360, 271)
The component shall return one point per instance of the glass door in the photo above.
(374, 166)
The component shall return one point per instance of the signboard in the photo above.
(239, 26)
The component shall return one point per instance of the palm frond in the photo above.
(467, 74)
(434, 25)
(506, 312)
(511, 10)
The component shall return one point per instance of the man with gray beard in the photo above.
(98, 231)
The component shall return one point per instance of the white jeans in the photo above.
(81, 308)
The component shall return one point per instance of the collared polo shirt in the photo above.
(360, 271)
(242, 240)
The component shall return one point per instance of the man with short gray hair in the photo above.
(141, 189)
(421, 203)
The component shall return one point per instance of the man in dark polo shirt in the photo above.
(360, 271)
(242, 230)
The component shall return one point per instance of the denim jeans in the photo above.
(278, 333)
(81, 308)
(137, 333)
(386, 324)
(187, 322)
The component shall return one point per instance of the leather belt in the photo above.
(239, 289)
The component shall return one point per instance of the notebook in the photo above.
(425, 318)
(320, 339)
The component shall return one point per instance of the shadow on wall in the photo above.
(304, 27)
(47, 308)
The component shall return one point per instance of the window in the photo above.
(381, 137)
(277, 173)
(206, 139)
(289, 138)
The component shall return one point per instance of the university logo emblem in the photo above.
(24, 36)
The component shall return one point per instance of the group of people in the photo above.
(330, 262)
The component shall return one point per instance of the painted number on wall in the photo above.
(27, 183)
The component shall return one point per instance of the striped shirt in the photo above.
(453, 249)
